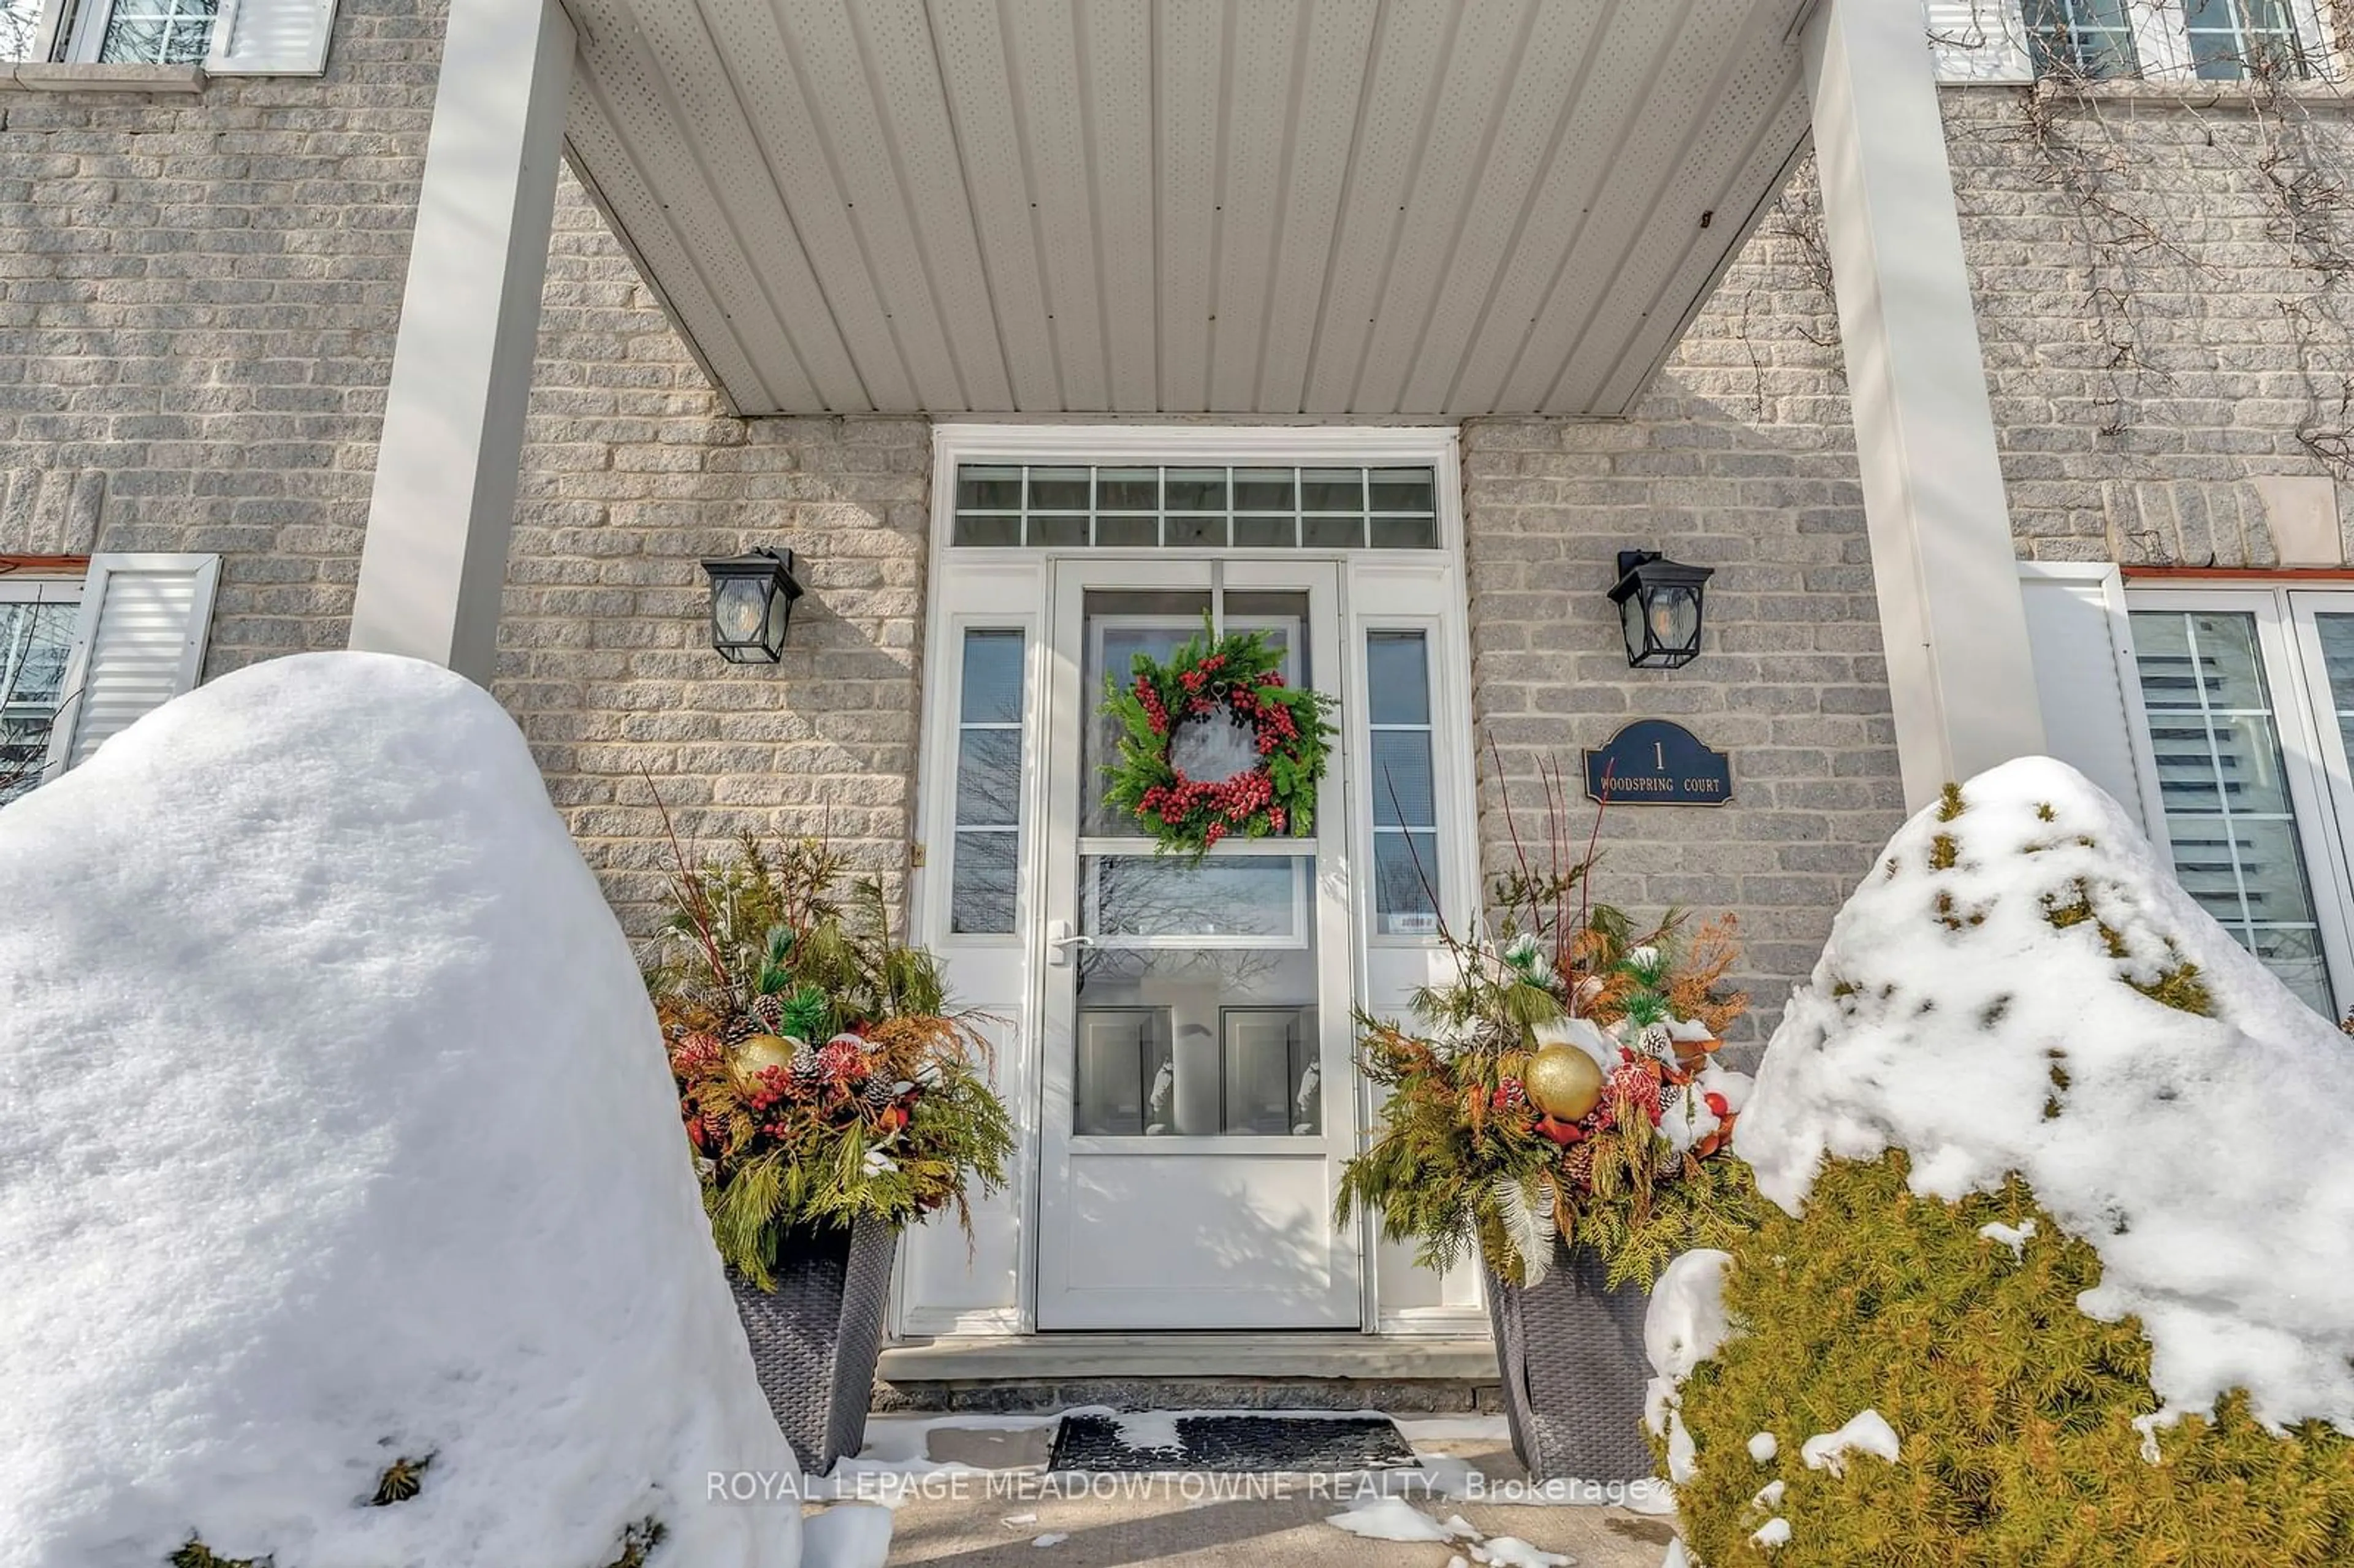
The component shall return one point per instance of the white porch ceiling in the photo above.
(1369, 207)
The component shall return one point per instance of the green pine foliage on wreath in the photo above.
(1239, 674)
(2015, 1410)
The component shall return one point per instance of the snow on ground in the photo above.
(1390, 1519)
(1152, 1431)
(1395, 1518)
(334, 1130)
(1866, 1431)
(1948, 1010)
(1512, 1552)
(847, 1535)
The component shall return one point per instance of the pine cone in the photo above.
(877, 1092)
(770, 1011)
(1578, 1165)
(741, 1029)
(806, 1073)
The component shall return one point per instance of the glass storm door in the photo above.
(1197, 1088)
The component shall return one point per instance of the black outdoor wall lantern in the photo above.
(1659, 605)
(751, 599)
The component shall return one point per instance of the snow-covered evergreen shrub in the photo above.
(344, 1216)
(2063, 1199)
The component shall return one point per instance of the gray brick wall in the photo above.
(197, 302)
(2166, 298)
(1791, 684)
(632, 475)
(198, 299)
(2165, 291)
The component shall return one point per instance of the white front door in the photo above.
(1193, 1015)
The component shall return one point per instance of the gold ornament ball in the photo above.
(1564, 1082)
(756, 1051)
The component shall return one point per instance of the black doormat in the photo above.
(1229, 1444)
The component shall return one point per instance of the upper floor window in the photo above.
(109, 32)
(226, 37)
(2164, 40)
(2234, 38)
(156, 32)
(2090, 38)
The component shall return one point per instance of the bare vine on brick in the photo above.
(2302, 171)
(2128, 248)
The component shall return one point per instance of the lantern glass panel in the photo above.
(739, 609)
(1675, 618)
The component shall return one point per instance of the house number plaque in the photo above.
(1652, 762)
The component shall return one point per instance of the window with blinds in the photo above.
(2223, 778)
(2334, 636)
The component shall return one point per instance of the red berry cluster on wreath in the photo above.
(1226, 678)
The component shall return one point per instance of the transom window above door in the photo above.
(1070, 507)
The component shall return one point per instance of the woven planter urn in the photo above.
(816, 1336)
(1570, 1350)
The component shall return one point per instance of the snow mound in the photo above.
(335, 1131)
(1983, 1005)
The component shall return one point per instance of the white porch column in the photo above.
(435, 556)
(1951, 611)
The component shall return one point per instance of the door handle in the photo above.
(1060, 939)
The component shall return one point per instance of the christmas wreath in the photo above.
(1214, 743)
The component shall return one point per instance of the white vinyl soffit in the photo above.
(1367, 207)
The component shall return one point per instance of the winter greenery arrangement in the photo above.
(1217, 701)
(820, 1072)
(1560, 1091)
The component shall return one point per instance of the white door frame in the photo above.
(948, 1285)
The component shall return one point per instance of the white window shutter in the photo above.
(1979, 40)
(2087, 685)
(138, 644)
(271, 37)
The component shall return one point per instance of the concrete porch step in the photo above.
(1189, 1371)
